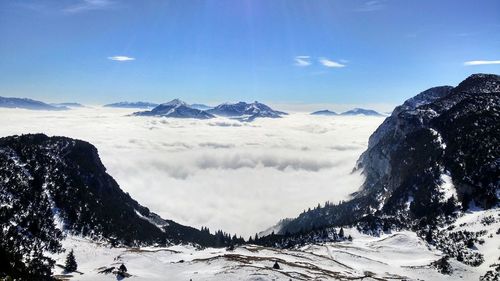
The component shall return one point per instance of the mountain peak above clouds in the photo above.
(361, 111)
(26, 103)
(325, 112)
(246, 111)
(175, 108)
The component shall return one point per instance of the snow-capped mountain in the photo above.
(51, 186)
(126, 104)
(175, 109)
(325, 112)
(361, 111)
(28, 104)
(436, 157)
(246, 111)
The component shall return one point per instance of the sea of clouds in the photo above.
(220, 173)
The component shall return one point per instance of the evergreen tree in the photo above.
(428, 236)
(341, 233)
(71, 265)
(122, 268)
(349, 237)
(276, 265)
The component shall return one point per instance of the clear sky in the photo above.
(298, 51)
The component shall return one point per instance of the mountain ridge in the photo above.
(414, 166)
(56, 185)
(26, 103)
(175, 109)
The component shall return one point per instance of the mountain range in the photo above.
(126, 104)
(175, 109)
(28, 104)
(246, 111)
(352, 112)
(241, 111)
(436, 157)
(435, 160)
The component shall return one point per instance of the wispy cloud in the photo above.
(121, 58)
(481, 62)
(372, 5)
(330, 63)
(88, 5)
(302, 60)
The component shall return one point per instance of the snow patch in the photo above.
(447, 188)
(160, 226)
(439, 139)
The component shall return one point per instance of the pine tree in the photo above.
(349, 238)
(71, 265)
(341, 233)
(276, 265)
(428, 236)
(122, 268)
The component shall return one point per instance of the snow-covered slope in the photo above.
(391, 256)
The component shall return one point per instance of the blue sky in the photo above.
(278, 51)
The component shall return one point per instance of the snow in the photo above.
(474, 221)
(399, 255)
(439, 139)
(160, 226)
(447, 188)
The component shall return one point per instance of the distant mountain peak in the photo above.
(361, 111)
(126, 104)
(176, 102)
(175, 108)
(246, 111)
(324, 112)
(26, 103)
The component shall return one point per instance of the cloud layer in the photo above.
(240, 177)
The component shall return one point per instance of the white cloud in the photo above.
(302, 60)
(371, 6)
(330, 63)
(482, 62)
(121, 58)
(88, 5)
(214, 173)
